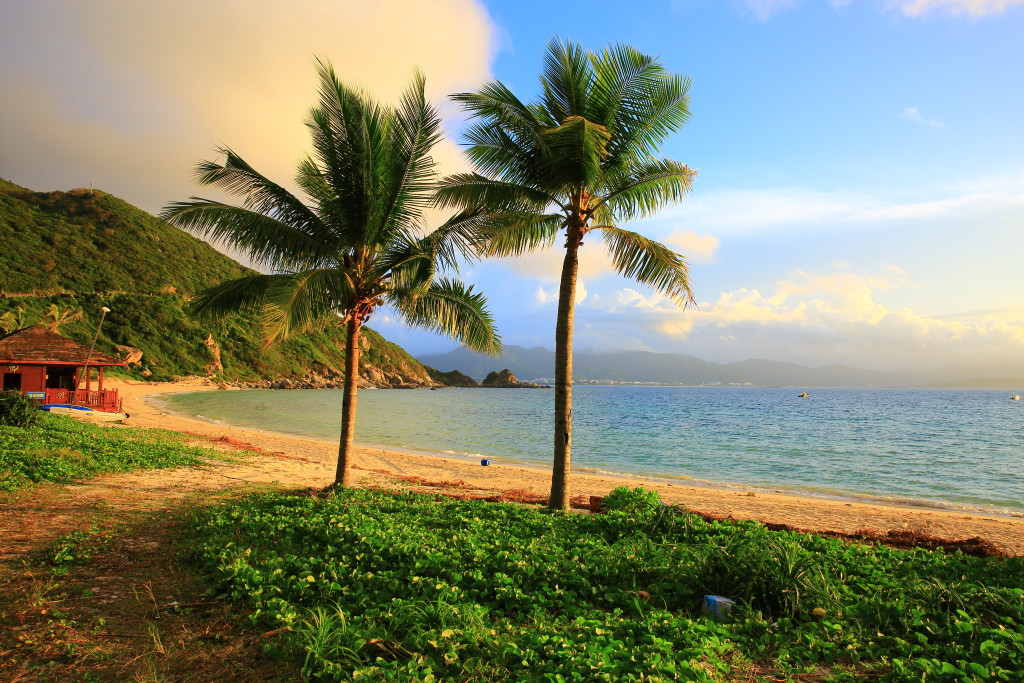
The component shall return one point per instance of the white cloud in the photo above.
(810, 319)
(548, 296)
(738, 211)
(130, 95)
(694, 247)
(975, 8)
(581, 292)
(912, 114)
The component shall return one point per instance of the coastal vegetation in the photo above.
(61, 449)
(80, 250)
(17, 410)
(374, 585)
(359, 243)
(389, 585)
(579, 159)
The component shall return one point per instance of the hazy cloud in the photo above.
(738, 211)
(912, 114)
(130, 95)
(766, 9)
(975, 8)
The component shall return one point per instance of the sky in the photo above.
(860, 197)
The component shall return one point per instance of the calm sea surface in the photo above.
(948, 448)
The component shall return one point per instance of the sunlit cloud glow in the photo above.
(816, 319)
(136, 107)
(694, 247)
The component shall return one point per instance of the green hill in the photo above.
(81, 250)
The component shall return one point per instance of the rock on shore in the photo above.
(506, 380)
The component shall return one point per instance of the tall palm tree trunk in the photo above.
(343, 475)
(563, 372)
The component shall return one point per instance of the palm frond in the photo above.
(236, 177)
(618, 72)
(516, 233)
(456, 241)
(246, 294)
(505, 153)
(576, 150)
(453, 309)
(297, 302)
(267, 240)
(646, 187)
(472, 190)
(496, 103)
(567, 78)
(656, 105)
(649, 262)
(410, 174)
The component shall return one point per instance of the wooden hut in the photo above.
(49, 369)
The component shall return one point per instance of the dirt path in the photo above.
(102, 607)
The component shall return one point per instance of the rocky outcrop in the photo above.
(331, 378)
(506, 380)
(215, 367)
(129, 354)
(451, 379)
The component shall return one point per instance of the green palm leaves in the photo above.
(579, 159)
(357, 243)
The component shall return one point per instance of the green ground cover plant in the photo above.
(402, 586)
(76, 548)
(62, 449)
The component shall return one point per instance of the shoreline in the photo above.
(310, 461)
(634, 479)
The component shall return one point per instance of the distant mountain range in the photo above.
(674, 368)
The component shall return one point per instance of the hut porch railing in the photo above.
(107, 400)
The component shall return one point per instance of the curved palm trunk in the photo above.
(343, 475)
(563, 373)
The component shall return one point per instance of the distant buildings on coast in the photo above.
(612, 383)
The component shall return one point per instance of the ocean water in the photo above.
(960, 449)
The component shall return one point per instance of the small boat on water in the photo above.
(803, 395)
(1015, 397)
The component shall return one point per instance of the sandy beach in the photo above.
(300, 462)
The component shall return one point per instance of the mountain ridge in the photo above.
(674, 368)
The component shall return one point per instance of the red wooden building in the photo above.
(49, 368)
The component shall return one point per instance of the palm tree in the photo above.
(579, 159)
(359, 243)
(14, 320)
(58, 317)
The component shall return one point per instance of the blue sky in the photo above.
(861, 188)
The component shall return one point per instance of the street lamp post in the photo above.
(104, 310)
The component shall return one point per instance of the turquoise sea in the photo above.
(944, 448)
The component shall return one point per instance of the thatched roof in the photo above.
(37, 344)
